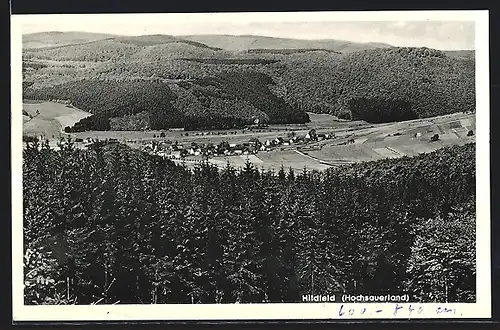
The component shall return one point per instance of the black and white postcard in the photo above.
(233, 166)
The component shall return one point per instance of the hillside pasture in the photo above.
(381, 142)
(41, 127)
(52, 118)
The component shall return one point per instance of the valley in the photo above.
(370, 142)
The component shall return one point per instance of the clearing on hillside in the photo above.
(326, 120)
(50, 119)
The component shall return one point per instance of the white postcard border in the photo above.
(480, 309)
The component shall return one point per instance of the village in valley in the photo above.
(161, 145)
(318, 145)
(175, 150)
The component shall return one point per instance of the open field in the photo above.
(399, 139)
(327, 121)
(276, 159)
(371, 141)
(52, 118)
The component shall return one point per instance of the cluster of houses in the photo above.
(175, 150)
(178, 151)
(253, 146)
(79, 143)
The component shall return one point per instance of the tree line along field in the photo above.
(116, 225)
(157, 82)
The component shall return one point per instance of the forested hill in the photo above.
(55, 38)
(248, 42)
(383, 84)
(172, 235)
(207, 86)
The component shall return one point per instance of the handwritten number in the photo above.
(440, 310)
(396, 309)
(410, 310)
(340, 310)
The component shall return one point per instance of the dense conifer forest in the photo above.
(115, 225)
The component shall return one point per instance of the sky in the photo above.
(440, 32)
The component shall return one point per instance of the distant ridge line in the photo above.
(194, 37)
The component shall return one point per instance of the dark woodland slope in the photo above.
(210, 87)
(114, 67)
(222, 101)
(382, 84)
